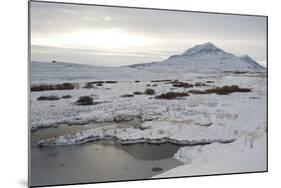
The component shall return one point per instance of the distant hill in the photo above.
(204, 58)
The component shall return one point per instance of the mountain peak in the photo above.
(206, 47)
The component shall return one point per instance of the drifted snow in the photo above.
(246, 154)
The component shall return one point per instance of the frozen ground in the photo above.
(233, 126)
(218, 133)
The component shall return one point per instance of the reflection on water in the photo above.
(97, 162)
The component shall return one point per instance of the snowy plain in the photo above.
(219, 133)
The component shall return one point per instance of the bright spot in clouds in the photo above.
(102, 39)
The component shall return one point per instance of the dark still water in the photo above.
(97, 162)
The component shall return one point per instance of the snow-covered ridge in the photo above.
(204, 58)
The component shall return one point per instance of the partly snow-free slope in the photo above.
(204, 58)
(47, 72)
(249, 60)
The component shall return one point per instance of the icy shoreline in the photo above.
(158, 135)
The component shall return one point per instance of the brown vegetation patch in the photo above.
(138, 93)
(161, 80)
(225, 90)
(182, 84)
(96, 82)
(42, 87)
(237, 72)
(172, 95)
(197, 92)
(127, 95)
(199, 84)
(85, 100)
(110, 82)
(48, 98)
(66, 96)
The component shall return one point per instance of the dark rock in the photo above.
(149, 92)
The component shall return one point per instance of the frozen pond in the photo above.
(96, 162)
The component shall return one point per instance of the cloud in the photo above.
(143, 30)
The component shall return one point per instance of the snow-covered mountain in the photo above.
(204, 58)
(249, 60)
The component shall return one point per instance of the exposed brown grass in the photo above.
(199, 84)
(180, 84)
(225, 90)
(97, 82)
(66, 96)
(172, 95)
(42, 87)
(110, 82)
(48, 98)
(85, 100)
(161, 80)
(138, 93)
(127, 95)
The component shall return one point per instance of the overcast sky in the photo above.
(119, 36)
